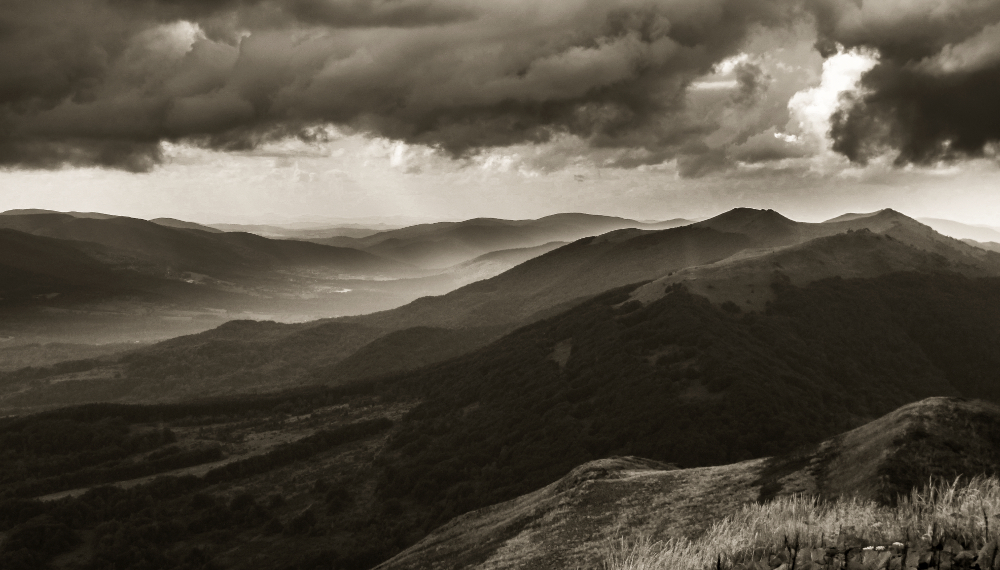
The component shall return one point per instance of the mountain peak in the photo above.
(748, 215)
(765, 227)
(39, 211)
(883, 213)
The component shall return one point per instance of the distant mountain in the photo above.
(565, 276)
(591, 265)
(33, 265)
(181, 224)
(568, 523)
(312, 232)
(90, 215)
(445, 244)
(175, 250)
(496, 262)
(850, 217)
(739, 268)
(95, 278)
(989, 245)
(963, 231)
(746, 279)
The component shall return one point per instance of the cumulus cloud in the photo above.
(813, 108)
(111, 79)
(932, 96)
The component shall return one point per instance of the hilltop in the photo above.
(572, 521)
(849, 246)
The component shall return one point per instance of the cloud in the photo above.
(769, 147)
(932, 96)
(813, 108)
(636, 82)
(454, 75)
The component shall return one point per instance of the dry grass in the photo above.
(960, 510)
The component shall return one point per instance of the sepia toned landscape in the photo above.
(459, 285)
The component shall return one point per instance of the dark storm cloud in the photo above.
(101, 81)
(334, 13)
(933, 95)
(396, 13)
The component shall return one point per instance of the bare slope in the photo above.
(571, 522)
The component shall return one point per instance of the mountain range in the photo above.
(184, 248)
(74, 273)
(446, 244)
(733, 259)
(636, 380)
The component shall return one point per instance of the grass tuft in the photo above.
(799, 526)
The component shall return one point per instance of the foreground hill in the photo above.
(570, 522)
(445, 244)
(285, 483)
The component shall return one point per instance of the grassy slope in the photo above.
(571, 522)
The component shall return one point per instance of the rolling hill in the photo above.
(181, 224)
(93, 278)
(172, 250)
(444, 244)
(722, 245)
(31, 265)
(988, 245)
(736, 269)
(312, 231)
(962, 231)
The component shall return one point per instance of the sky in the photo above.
(392, 110)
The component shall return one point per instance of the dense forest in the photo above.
(678, 380)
